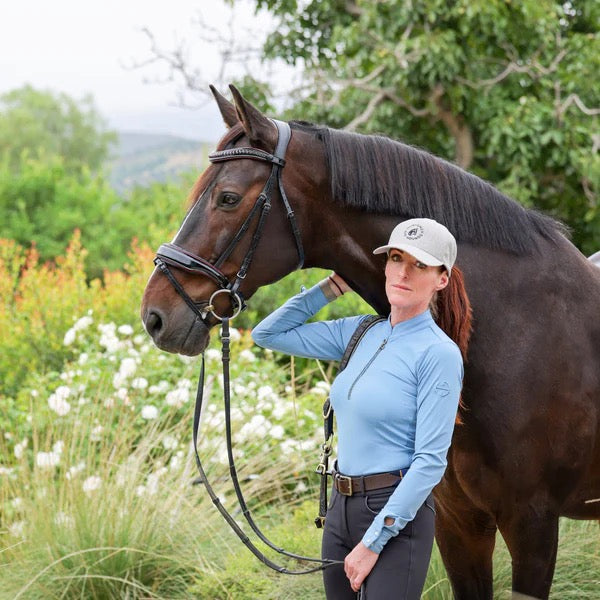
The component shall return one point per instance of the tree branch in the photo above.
(367, 113)
(515, 67)
(576, 100)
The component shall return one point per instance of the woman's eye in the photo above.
(395, 257)
(228, 200)
(420, 265)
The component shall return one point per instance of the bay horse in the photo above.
(528, 450)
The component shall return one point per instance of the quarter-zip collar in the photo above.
(410, 325)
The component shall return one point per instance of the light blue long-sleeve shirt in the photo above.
(395, 402)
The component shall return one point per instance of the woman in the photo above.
(396, 404)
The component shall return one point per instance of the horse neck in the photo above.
(343, 241)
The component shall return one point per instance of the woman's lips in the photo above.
(401, 287)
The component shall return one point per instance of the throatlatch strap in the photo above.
(323, 466)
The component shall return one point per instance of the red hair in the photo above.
(455, 316)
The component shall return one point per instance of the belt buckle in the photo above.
(344, 479)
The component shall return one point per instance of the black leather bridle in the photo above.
(175, 256)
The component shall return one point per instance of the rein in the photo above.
(175, 256)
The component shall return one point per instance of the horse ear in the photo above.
(227, 109)
(259, 129)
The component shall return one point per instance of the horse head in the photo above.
(228, 227)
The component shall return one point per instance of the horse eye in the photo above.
(228, 200)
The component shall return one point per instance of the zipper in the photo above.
(367, 366)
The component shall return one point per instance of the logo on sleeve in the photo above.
(442, 388)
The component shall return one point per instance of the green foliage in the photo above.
(45, 124)
(42, 202)
(507, 89)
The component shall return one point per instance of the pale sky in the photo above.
(79, 46)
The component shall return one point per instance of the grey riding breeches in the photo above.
(401, 569)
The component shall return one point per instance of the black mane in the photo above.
(379, 175)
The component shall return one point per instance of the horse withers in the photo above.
(528, 449)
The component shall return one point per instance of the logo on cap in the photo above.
(414, 232)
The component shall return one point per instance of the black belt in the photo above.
(348, 486)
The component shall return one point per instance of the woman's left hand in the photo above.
(358, 564)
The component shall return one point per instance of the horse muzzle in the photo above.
(177, 332)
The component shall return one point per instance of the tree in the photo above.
(46, 124)
(505, 88)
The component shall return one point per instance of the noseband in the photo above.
(175, 256)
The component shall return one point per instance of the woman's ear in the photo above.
(443, 282)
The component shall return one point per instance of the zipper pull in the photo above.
(382, 345)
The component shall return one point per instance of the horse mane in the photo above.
(379, 175)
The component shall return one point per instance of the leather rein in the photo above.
(171, 255)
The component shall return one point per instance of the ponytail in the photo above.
(453, 311)
(454, 316)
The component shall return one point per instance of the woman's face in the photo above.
(410, 284)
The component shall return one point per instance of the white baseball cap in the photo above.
(426, 239)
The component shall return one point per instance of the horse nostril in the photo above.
(153, 323)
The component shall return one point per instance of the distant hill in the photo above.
(143, 158)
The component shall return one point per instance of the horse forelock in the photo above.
(383, 176)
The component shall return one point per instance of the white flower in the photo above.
(161, 388)
(176, 461)
(140, 490)
(279, 411)
(74, 470)
(6, 470)
(257, 427)
(152, 480)
(212, 354)
(125, 329)
(149, 412)
(17, 529)
(139, 339)
(177, 397)
(69, 337)
(58, 447)
(235, 334)
(58, 400)
(34, 393)
(277, 432)
(17, 503)
(139, 383)
(108, 338)
(47, 460)
(121, 393)
(83, 323)
(109, 402)
(247, 355)
(301, 487)
(20, 448)
(170, 442)
(321, 388)
(91, 484)
(128, 367)
(83, 358)
(64, 520)
(96, 434)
